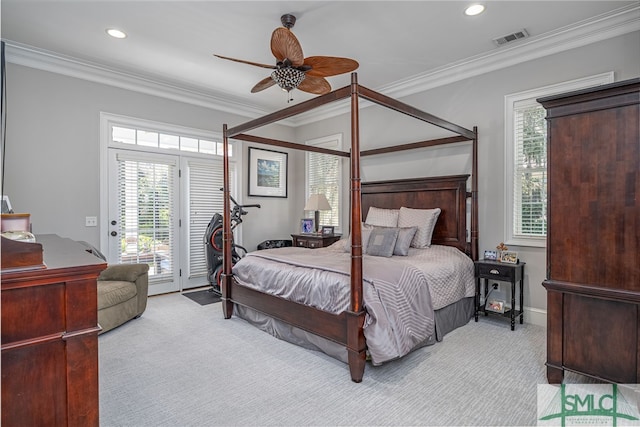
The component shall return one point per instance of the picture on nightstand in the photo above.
(509, 257)
(496, 306)
(327, 230)
(491, 255)
(307, 226)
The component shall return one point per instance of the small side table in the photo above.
(314, 241)
(502, 272)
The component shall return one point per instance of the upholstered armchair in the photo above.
(122, 294)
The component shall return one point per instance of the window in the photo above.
(324, 177)
(144, 138)
(526, 161)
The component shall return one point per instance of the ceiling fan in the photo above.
(292, 70)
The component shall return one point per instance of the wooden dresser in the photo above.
(593, 245)
(49, 334)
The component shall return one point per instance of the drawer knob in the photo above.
(494, 271)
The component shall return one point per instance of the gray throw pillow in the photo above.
(405, 237)
(382, 241)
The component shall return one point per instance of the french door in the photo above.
(159, 208)
(144, 216)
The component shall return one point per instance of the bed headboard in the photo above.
(449, 193)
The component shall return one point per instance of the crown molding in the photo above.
(603, 27)
(29, 56)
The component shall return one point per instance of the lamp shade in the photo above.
(317, 202)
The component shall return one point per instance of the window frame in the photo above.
(529, 97)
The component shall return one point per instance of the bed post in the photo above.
(225, 286)
(474, 198)
(356, 346)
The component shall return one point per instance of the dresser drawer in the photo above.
(496, 271)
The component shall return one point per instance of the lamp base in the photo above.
(317, 220)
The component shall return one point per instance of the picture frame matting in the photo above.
(267, 173)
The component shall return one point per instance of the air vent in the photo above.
(511, 37)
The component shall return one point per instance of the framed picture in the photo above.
(509, 257)
(6, 205)
(327, 230)
(267, 173)
(491, 255)
(307, 225)
(496, 306)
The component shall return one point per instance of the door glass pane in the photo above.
(145, 200)
(205, 199)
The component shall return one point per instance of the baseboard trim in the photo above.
(535, 316)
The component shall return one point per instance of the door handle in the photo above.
(114, 233)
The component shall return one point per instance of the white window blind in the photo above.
(324, 177)
(146, 200)
(526, 161)
(530, 171)
(205, 199)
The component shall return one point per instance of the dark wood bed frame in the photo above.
(448, 193)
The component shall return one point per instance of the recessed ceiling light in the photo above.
(474, 9)
(118, 34)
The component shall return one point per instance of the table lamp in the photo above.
(317, 203)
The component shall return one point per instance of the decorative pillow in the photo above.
(382, 217)
(366, 232)
(424, 219)
(405, 236)
(382, 241)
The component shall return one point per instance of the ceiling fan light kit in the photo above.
(288, 78)
(292, 69)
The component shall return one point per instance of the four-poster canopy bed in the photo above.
(449, 194)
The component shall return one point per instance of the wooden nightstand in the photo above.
(314, 241)
(502, 272)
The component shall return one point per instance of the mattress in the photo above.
(399, 293)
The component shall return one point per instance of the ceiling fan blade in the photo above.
(285, 45)
(325, 66)
(315, 85)
(263, 84)
(246, 62)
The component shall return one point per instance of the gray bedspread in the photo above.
(400, 315)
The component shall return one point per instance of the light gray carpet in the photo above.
(182, 364)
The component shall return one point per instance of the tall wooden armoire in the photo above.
(593, 244)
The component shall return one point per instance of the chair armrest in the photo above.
(124, 272)
(135, 273)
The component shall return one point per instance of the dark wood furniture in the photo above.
(50, 335)
(313, 241)
(503, 272)
(346, 328)
(593, 249)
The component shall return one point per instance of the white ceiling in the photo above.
(396, 43)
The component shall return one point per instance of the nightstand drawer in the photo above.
(314, 241)
(302, 243)
(496, 271)
(314, 244)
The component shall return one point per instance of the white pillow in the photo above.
(382, 217)
(424, 219)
